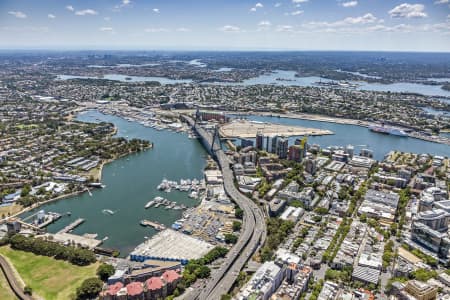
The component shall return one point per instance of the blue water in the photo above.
(118, 77)
(130, 183)
(288, 79)
(360, 137)
(429, 90)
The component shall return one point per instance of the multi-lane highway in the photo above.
(251, 238)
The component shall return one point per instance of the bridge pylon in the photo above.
(216, 139)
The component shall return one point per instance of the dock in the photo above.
(52, 217)
(152, 224)
(72, 226)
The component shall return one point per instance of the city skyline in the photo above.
(363, 25)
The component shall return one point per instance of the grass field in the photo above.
(11, 209)
(49, 278)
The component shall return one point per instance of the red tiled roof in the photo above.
(134, 288)
(113, 289)
(154, 283)
(170, 276)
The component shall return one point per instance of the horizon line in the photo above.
(75, 49)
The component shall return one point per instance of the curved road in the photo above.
(252, 236)
(12, 280)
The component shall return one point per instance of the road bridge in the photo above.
(253, 233)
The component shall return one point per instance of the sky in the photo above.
(366, 25)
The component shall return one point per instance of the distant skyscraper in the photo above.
(310, 166)
(295, 153)
(282, 148)
(366, 153)
(273, 149)
(350, 150)
(259, 140)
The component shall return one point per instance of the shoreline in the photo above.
(98, 174)
(322, 118)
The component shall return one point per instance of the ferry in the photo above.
(388, 130)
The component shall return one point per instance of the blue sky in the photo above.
(422, 25)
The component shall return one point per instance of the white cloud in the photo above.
(367, 18)
(285, 28)
(441, 2)
(278, 4)
(51, 16)
(18, 14)
(156, 10)
(407, 10)
(106, 29)
(299, 1)
(297, 12)
(264, 25)
(183, 29)
(347, 24)
(86, 12)
(70, 8)
(154, 30)
(230, 28)
(349, 4)
(257, 5)
(124, 3)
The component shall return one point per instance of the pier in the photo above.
(72, 226)
(50, 218)
(154, 225)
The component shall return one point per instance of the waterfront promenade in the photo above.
(251, 238)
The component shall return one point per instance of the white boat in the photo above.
(149, 203)
(108, 211)
(193, 195)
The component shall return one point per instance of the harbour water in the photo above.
(359, 137)
(126, 78)
(286, 78)
(130, 183)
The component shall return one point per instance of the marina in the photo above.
(131, 183)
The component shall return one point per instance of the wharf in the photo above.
(72, 226)
(249, 129)
(52, 217)
(152, 224)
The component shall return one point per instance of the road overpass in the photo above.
(253, 233)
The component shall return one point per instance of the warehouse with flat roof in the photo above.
(171, 245)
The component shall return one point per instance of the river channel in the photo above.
(130, 183)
